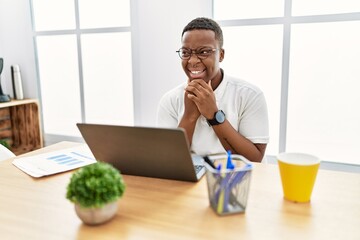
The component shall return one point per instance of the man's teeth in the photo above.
(196, 72)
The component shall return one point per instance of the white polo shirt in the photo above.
(243, 104)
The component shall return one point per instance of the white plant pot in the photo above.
(95, 216)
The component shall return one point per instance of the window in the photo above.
(323, 90)
(304, 55)
(316, 7)
(245, 9)
(84, 63)
(59, 74)
(252, 48)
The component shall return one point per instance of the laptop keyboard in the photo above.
(198, 168)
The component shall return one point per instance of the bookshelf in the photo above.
(20, 125)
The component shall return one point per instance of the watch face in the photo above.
(220, 116)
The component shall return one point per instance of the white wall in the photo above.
(156, 29)
(157, 33)
(16, 45)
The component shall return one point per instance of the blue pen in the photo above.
(225, 189)
(229, 164)
(239, 175)
(219, 168)
(220, 196)
(236, 180)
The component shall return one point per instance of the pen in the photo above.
(218, 168)
(229, 164)
(208, 161)
(223, 200)
(239, 175)
(225, 186)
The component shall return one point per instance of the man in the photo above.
(218, 112)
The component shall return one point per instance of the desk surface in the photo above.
(164, 209)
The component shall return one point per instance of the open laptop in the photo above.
(144, 151)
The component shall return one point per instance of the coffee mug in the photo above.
(298, 173)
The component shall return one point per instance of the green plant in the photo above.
(95, 185)
(5, 143)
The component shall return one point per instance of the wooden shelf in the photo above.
(20, 125)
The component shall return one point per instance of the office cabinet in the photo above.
(20, 125)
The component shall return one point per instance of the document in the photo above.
(56, 161)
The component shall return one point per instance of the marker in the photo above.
(223, 201)
(229, 164)
(208, 161)
(219, 167)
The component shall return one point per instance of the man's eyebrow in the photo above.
(199, 48)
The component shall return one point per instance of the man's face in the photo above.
(196, 68)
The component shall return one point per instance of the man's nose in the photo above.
(194, 58)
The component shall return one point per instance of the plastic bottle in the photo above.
(17, 82)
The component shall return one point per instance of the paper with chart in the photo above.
(56, 161)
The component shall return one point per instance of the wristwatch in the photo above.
(219, 117)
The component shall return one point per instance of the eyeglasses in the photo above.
(203, 53)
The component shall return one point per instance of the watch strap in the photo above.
(215, 121)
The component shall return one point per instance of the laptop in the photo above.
(144, 151)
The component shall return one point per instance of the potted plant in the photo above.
(95, 189)
(5, 144)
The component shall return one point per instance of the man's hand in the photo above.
(191, 111)
(202, 95)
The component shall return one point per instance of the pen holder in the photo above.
(228, 189)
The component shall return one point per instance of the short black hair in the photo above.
(203, 23)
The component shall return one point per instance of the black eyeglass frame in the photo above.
(197, 53)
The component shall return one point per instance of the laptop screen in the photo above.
(142, 151)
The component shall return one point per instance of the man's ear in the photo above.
(222, 55)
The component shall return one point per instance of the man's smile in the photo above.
(197, 73)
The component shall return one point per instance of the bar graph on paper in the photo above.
(55, 162)
(69, 160)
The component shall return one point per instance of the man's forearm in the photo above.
(189, 126)
(238, 144)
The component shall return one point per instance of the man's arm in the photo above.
(189, 119)
(238, 144)
(204, 98)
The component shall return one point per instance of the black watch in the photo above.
(219, 117)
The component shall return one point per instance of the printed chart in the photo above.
(55, 162)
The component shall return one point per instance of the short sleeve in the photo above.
(167, 116)
(254, 123)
